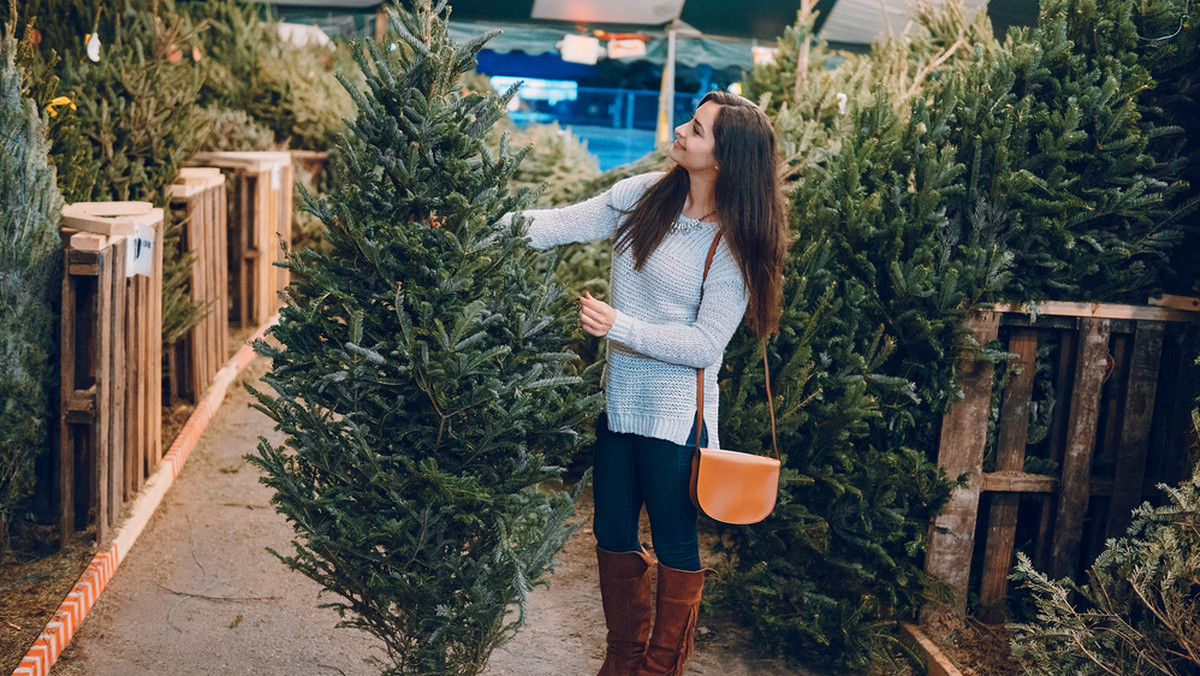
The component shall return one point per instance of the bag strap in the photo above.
(712, 251)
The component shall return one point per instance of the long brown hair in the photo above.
(750, 207)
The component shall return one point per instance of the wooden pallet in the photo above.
(259, 230)
(198, 204)
(110, 425)
(1111, 364)
(313, 164)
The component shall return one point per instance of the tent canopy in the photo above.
(728, 29)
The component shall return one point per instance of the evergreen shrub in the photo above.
(292, 89)
(862, 370)
(236, 131)
(557, 159)
(1017, 171)
(1060, 160)
(138, 120)
(30, 287)
(420, 376)
(1169, 43)
(1139, 612)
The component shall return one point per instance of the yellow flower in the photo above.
(59, 101)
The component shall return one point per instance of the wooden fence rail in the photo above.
(198, 203)
(110, 425)
(259, 229)
(1118, 388)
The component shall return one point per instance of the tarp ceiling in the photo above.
(729, 27)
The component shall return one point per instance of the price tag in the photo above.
(139, 251)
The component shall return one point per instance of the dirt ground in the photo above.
(199, 593)
(976, 648)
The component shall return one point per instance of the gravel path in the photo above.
(199, 593)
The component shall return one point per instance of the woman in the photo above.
(659, 332)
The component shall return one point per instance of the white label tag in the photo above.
(276, 178)
(139, 251)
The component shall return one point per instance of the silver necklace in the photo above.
(687, 222)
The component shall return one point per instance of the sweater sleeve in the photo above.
(701, 343)
(592, 219)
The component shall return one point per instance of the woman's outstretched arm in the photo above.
(596, 218)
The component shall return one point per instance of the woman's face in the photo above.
(693, 147)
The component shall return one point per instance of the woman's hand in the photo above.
(595, 316)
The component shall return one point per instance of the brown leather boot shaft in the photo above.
(678, 607)
(625, 593)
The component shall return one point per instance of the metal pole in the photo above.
(666, 95)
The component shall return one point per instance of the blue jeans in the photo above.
(632, 470)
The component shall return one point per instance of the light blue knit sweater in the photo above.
(662, 333)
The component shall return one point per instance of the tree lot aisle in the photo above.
(199, 593)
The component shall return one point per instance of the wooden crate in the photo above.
(198, 204)
(1116, 387)
(259, 229)
(111, 377)
(313, 165)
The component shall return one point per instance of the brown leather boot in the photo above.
(678, 606)
(625, 592)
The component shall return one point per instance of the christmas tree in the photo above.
(1058, 152)
(1139, 613)
(30, 285)
(1169, 43)
(861, 371)
(422, 385)
(1024, 172)
(292, 89)
(809, 90)
(72, 154)
(136, 111)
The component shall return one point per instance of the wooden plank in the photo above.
(1135, 433)
(149, 220)
(200, 173)
(1042, 322)
(220, 276)
(936, 663)
(1081, 438)
(1068, 347)
(241, 230)
(1101, 487)
(960, 451)
(252, 160)
(198, 223)
(178, 366)
(265, 227)
(134, 395)
(117, 486)
(88, 241)
(282, 274)
(1188, 303)
(115, 208)
(1010, 457)
(66, 441)
(215, 283)
(83, 263)
(1019, 482)
(199, 228)
(154, 346)
(1102, 311)
(1112, 399)
(96, 224)
(185, 353)
(80, 405)
(1014, 412)
(100, 441)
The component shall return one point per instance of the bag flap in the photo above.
(737, 488)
